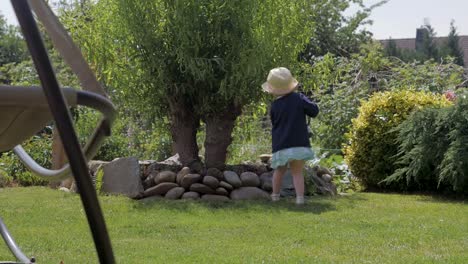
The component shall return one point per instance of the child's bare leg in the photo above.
(296, 167)
(277, 176)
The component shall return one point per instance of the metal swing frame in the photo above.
(59, 110)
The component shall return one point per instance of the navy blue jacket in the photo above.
(288, 119)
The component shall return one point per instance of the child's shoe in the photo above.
(300, 200)
(275, 197)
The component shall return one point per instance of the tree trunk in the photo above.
(184, 125)
(59, 158)
(219, 128)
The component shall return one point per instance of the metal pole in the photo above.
(65, 127)
(12, 244)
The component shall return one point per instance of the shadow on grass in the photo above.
(438, 198)
(426, 196)
(313, 205)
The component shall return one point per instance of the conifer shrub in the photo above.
(433, 150)
(371, 148)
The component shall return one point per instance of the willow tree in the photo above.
(197, 60)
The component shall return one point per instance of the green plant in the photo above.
(251, 135)
(130, 136)
(371, 149)
(339, 84)
(99, 179)
(39, 148)
(5, 179)
(193, 61)
(433, 152)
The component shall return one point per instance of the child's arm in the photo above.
(310, 108)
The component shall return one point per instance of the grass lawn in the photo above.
(360, 228)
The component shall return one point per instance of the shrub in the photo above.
(39, 148)
(251, 135)
(340, 83)
(433, 150)
(371, 149)
(5, 179)
(130, 137)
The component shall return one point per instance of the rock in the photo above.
(215, 198)
(257, 168)
(73, 187)
(174, 160)
(211, 182)
(144, 164)
(322, 170)
(266, 181)
(93, 165)
(201, 188)
(226, 185)
(159, 166)
(64, 189)
(232, 178)
(215, 172)
(196, 166)
(222, 191)
(149, 181)
(122, 176)
(165, 176)
(184, 171)
(160, 189)
(327, 177)
(249, 193)
(175, 193)
(189, 179)
(323, 187)
(249, 179)
(191, 195)
(265, 158)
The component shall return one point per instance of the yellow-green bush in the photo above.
(371, 149)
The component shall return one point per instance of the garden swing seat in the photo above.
(24, 111)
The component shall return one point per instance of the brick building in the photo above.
(411, 43)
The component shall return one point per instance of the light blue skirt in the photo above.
(282, 157)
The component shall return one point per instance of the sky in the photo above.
(400, 18)
(396, 19)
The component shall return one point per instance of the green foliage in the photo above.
(99, 179)
(452, 47)
(433, 152)
(12, 46)
(39, 148)
(427, 76)
(371, 150)
(391, 49)
(129, 137)
(338, 33)
(428, 47)
(5, 179)
(339, 84)
(251, 135)
(211, 51)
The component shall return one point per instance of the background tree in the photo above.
(427, 47)
(452, 46)
(195, 60)
(338, 33)
(391, 49)
(12, 48)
